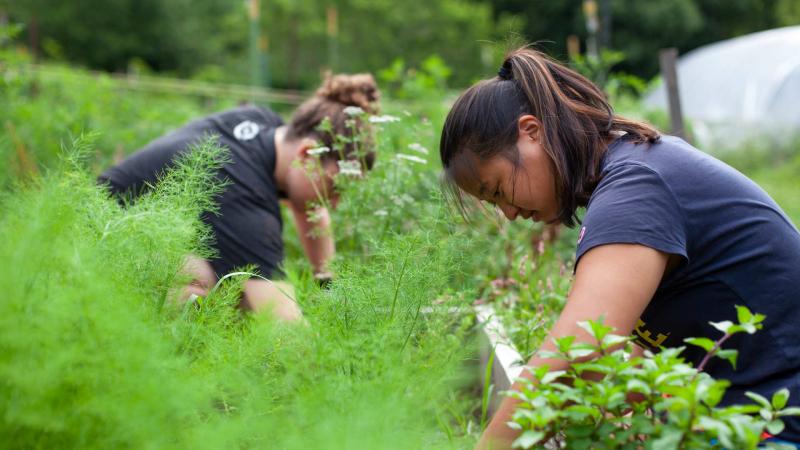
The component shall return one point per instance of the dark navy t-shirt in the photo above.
(738, 248)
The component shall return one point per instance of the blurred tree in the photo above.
(190, 37)
(546, 23)
(208, 38)
(173, 35)
(640, 28)
(373, 33)
(787, 12)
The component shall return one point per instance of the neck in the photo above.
(285, 151)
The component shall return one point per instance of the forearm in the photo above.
(316, 238)
(320, 250)
(498, 435)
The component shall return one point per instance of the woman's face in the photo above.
(526, 189)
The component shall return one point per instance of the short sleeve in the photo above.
(633, 205)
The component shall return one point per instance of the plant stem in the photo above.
(397, 286)
(711, 353)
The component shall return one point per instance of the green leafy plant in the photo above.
(619, 401)
(599, 70)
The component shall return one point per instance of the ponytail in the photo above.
(577, 123)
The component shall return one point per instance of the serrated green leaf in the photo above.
(581, 412)
(587, 326)
(669, 440)
(638, 386)
(704, 343)
(743, 314)
(600, 330)
(528, 439)
(775, 427)
(793, 411)
(564, 343)
(749, 328)
(577, 353)
(612, 340)
(593, 367)
(551, 376)
(759, 399)
(546, 354)
(729, 355)
(780, 398)
(735, 328)
(722, 326)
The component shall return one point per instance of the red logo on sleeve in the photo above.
(581, 234)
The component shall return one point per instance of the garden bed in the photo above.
(497, 351)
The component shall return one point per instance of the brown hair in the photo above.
(577, 123)
(329, 102)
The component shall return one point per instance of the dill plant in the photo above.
(85, 360)
(94, 354)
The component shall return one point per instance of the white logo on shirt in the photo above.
(246, 130)
(581, 234)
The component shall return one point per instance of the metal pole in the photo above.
(573, 46)
(3, 26)
(333, 37)
(605, 24)
(33, 38)
(263, 47)
(254, 13)
(592, 25)
(668, 59)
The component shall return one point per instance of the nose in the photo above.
(511, 212)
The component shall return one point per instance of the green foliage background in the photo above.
(94, 355)
(208, 39)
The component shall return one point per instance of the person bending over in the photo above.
(671, 239)
(269, 162)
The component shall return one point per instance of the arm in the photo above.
(316, 237)
(615, 281)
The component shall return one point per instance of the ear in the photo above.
(529, 126)
(303, 147)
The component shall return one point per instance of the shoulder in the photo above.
(668, 152)
(628, 181)
(633, 204)
(258, 115)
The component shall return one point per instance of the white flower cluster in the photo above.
(417, 147)
(318, 151)
(412, 158)
(349, 167)
(353, 111)
(383, 119)
(381, 213)
(400, 200)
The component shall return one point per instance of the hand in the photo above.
(323, 279)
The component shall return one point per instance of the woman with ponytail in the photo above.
(670, 240)
(268, 161)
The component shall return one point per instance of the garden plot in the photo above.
(501, 363)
